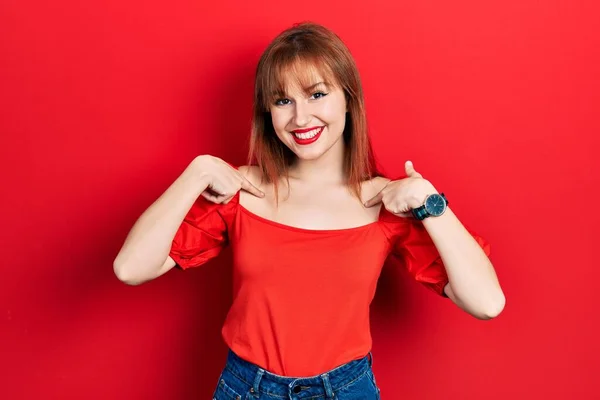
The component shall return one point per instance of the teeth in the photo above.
(307, 135)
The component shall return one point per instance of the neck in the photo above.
(329, 168)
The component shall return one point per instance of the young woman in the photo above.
(311, 222)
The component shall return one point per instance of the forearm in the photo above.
(147, 245)
(471, 275)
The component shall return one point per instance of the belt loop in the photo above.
(370, 358)
(328, 390)
(257, 378)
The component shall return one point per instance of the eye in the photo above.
(280, 102)
(319, 95)
(284, 102)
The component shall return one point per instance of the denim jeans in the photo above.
(243, 380)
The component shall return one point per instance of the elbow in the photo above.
(495, 307)
(125, 275)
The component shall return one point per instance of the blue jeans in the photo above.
(243, 380)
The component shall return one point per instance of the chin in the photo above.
(308, 156)
(310, 153)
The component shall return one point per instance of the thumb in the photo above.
(410, 170)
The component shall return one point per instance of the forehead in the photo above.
(302, 75)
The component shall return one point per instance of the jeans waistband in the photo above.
(323, 384)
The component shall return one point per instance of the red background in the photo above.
(103, 106)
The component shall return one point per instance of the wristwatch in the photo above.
(434, 206)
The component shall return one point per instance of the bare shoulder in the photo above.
(248, 170)
(256, 204)
(375, 184)
(252, 173)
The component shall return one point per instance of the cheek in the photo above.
(334, 117)
(334, 112)
(279, 120)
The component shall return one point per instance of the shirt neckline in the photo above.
(306, 230)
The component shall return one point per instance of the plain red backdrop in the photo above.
(103, 105)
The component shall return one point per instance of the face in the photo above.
(310, 121)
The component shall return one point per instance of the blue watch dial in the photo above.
(435, 205)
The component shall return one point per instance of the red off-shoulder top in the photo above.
(301, 297)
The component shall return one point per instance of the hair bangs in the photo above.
(296, 72)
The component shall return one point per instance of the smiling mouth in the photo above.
(305, 136)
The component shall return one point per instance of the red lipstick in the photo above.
(306, 130)
(307, 140)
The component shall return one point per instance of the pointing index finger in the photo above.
(374, 200)
(248, 187)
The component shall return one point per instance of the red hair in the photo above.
(295, 51)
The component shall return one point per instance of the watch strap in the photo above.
(420, 213)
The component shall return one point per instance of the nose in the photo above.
(301, 115)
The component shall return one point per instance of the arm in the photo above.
(473, 285)
(144, 254)
(473, 282)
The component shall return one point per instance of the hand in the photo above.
(402, 195)
(223, 180)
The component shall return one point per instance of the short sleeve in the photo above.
(414, 249)
(203, 233)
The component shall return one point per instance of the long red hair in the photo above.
(309, 45)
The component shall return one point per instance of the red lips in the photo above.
(306, 130)
(310, 140)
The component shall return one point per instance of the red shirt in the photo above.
(301, 296)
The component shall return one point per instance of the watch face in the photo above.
(435, 205)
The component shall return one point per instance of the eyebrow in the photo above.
(315, 85)
(280, 93)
